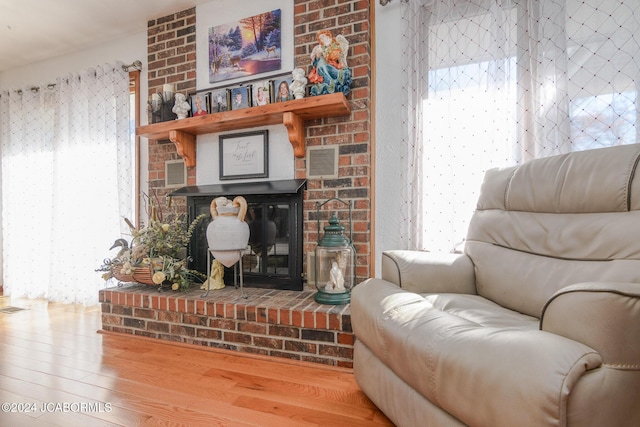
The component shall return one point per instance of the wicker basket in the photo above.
(140, 275)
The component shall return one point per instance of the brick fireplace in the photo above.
(280, 323)
(172, 59)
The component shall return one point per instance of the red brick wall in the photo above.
(171, 50)
(172, 60)
(351, 19)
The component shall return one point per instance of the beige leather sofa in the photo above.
(536, 324)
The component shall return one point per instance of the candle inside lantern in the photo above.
(156, 102)
(167, 92)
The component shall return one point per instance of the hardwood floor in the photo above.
(55, 369)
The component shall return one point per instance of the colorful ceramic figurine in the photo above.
(330, 72)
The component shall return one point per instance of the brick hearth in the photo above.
(288, 324)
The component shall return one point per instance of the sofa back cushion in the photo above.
(556, 221)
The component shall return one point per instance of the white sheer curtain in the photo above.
(66, 182)
(492, 83)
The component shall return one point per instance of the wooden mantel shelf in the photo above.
(292, 114)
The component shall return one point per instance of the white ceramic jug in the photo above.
(228, 233)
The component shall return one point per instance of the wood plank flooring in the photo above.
(56, 370)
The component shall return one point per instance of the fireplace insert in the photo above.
(273, 258)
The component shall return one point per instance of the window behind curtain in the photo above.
(510, 81)
(66, 182)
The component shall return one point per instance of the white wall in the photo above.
(389, 150)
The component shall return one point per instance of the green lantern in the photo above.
(335, 260)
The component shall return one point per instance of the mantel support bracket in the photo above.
(186, 145)
(295, 126)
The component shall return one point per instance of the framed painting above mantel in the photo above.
(241, 41)
(246, 47)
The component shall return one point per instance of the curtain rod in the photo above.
(136, 65)
(386, 2)
(36, 89)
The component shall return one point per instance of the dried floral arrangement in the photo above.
(157, 253)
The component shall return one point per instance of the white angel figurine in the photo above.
(181, 107)
(298, 84)
(336, 279)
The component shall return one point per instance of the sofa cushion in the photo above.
(556, 221)
(579, 182)
(474, 359)
(524, 282)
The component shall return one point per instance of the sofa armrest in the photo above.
(429, 272)
(602, 315)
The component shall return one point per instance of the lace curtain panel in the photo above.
(495, 83)
(66, 183)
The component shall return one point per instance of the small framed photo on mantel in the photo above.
(240, 97)
(219, 101)
(200, 104)
(282, 89)
(261, 92)
(244, 155)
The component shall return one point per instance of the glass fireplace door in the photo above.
(268, 239)
(273, 258)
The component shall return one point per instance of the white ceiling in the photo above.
(35, 30)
